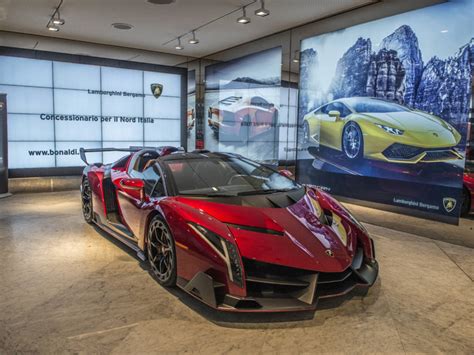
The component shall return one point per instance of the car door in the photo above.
(131, 201)
(331, 126)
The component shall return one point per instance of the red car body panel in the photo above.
(292, 238)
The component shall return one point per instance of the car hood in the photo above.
(295, 236)
(415, 121)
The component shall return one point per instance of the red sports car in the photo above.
(235, 234)
(468, 189)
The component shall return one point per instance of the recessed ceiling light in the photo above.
(262, 12)
(444, 31)
(122, 26)
(243, 19)
(161, 2)
(53, 28)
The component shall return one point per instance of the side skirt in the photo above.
(120, 237)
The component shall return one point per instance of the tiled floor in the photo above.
(65, 287)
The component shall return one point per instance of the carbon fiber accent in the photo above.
(110, 198)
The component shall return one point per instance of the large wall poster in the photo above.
(242, 104)
(383, 108)
(54, 108)
(191, 111)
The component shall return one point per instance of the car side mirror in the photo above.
(134, 187)
(286, 173)
(336, 114)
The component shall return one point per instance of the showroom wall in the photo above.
(421, 190)
(60, 103)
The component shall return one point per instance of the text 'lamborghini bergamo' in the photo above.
(237, 235)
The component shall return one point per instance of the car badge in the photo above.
(449, 204)
(329, 253)
(156, 90)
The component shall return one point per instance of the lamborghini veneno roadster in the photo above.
(235, 234)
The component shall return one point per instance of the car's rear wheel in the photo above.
(86, 197)
(466, 202)
(352, 141)
(306, 132)
(161, 252)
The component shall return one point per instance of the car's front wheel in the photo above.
(352, 141)
(161, 252)
(86, 198)
(466, 202)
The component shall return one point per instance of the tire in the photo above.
(86, 198)
(161, 252)
(245, 129)
(352, 141)
(466, 202)
(306, 132)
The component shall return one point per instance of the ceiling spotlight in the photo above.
(53, 28)
(296, 57)
(58, 20)
(262, 12)
(194, 40)
(179, 47)
(243, 19)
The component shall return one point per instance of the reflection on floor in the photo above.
(65, 287)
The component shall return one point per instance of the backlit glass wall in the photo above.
(54, 108)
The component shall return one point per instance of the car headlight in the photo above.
(224, 248)
(390, 130)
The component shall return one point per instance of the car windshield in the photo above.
(376, 106)
(229, 176)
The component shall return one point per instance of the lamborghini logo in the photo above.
(329, 253)
(156, 90)
(449, 204)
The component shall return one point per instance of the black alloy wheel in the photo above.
(86, 197)
(161, 252)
